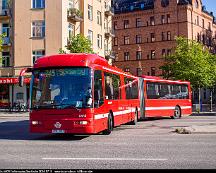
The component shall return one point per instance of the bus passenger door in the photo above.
(141, 98)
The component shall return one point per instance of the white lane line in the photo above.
(109, 159)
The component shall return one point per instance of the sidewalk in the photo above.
(199, 129)
(204, 114)
(13, 114)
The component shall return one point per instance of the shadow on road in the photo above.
(19, 130)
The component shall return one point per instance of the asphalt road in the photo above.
(151, 144)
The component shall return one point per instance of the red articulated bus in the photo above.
(83, 94)
(80, 94)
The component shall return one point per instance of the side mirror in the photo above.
(21, 81)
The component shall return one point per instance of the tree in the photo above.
(78, 44)
(192, 62)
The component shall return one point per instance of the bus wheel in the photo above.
(109, 125)
(177, 113)
(134, 122)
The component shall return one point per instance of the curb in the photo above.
(203, 114)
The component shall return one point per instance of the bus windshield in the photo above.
(62, 88)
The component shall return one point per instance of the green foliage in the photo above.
(61, 51)
(74, 11)
(1, 42)
(191, 62)
(78, 44)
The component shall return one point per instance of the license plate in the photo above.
(58, 131)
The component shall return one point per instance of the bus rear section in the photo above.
(167, 98)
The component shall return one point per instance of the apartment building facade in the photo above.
(145, 32)
(35, 28)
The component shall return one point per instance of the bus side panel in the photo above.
(166, 107)
(100, 118)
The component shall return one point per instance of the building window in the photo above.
(127, 70)
(198, 20)
(198, 37)
(138, 55)
(138, 22)
(4, 5)
(116, 41)
(99, 20)
(168, 18)
(163, 52)
(38, 29)
(152, 54)
(71, 30)
(162, 19)
(169, 52)
(139, 72)
(126, 40)
(203, 39)
(138, 39)
(196, 4)
(99, 41)
(126, 56)
(152, 37)
(6, 32)
(38, 3)
(203, 23)
(90, 12)
(90, 36)
(71, 4)
(115, 25)
(209, 25)
(152, 20)
(168, 35)
(37, 54)
(5, 59)
(163, 36)
(153, 71)
(126, 24)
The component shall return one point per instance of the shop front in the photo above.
(11, 93)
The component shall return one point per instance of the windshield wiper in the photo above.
(69, 106)
(59, 106)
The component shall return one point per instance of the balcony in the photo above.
(75, 15)
(4, 14)
(109, 11)
(109, 32)
(109, 54)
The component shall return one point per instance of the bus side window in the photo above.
(131, 88)
(109, 90)
(116, 86)
(98, 89)
(112, 86)
(185, 92)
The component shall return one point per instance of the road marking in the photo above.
(110, 159)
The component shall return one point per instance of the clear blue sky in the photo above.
(210, 5)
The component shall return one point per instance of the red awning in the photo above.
(12, 80)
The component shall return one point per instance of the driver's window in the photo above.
(98, 89)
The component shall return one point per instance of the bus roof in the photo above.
(68, 60)
(158, 79)
(77, 60)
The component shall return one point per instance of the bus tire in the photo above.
(134, 122)
(177, 113)
(109, 125)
